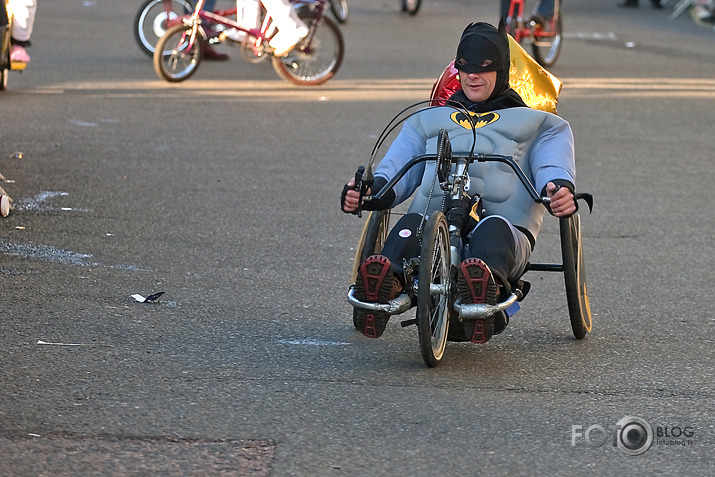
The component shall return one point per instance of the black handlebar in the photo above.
(508, 160)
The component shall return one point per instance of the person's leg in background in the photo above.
(23, 12)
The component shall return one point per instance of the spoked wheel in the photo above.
(340, 10)
(177, 56)
(411, 6)
(317, 58)
(575, 275)
(372, 240)
(153, 19)
(433, 289)
(547, 41)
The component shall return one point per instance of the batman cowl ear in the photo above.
(502, 28)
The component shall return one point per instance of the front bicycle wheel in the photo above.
(154, 18)
(547, 40)
(433, 289)
(177, 55)
(411, 6)
(575, 275)
(340, 10)
(316, 58)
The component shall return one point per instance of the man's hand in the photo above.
(562, 202)
(352, 197)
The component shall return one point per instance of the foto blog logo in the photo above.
(632, 435)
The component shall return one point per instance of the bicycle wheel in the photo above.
(411, 6)
(575, 275)
(340, 10)
(4, 56)
(433, 289)
(547, 41)
(176, 57)
(317, 58)
(150, 22)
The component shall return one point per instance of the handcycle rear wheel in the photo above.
(150, 22)
(546, 47)
(315, 59)
(433, 289)
(340, 10)
(575, 275)
(411, 6)
(176, 58)
(372, 240)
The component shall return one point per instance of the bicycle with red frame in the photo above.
(314, 60)
(543, 29)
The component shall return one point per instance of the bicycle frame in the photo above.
(261, 34)
(531, 29)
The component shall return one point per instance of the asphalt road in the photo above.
(223, 192)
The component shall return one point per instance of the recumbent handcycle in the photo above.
(431, 277)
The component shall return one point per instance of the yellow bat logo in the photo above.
(478, 119)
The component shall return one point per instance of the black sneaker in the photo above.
(475, 284)
(375, 283)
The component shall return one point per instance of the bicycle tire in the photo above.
(546, 51)
(171, 60)
(317, 58)
(5, 53)
(575, 276)
(411, 7)
(340, 10)
(433, 289)
(150, 21)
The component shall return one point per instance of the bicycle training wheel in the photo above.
(433, 289)
(547, 41)
(340, 10)
(176, 57)
(152, 21)
(575, 275)
(316, 58)
(411, 6)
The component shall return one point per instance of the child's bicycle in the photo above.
(155, 16)
(430, 279)
(313, 61)
(5, 32)
(544, 34)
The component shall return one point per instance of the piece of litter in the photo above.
(40, 342)
(149, 299)
(33, 435)
(18, 155)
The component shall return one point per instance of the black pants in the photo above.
(492, 242)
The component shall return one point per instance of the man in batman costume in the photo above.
(497, 249)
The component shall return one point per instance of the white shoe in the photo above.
(284, 41)
(233, 34)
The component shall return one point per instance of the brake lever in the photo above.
(363, 181)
